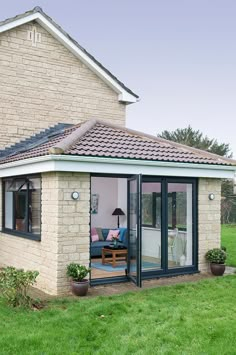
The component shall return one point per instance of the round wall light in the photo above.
(211, 197)
(75, 195)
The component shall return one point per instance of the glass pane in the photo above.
(147, 209)
(180, 225)
(133, 195)
(34, 206)
(16, 184)
(21, 210)
(23, 204)
(151, 232)
(8, 209)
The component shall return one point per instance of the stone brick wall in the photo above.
(64, 236)
(73, 228)
(209, 227)
(43, 85)
(65, 229)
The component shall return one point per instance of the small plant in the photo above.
(77, 271)
(115, 237)
(14, 285)
(216, 256)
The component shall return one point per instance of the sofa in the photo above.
(96, 247)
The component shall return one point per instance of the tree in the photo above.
(196, 139)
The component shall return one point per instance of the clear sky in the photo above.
(179, 56)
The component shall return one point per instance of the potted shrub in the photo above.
(216, 258)
(77, 273)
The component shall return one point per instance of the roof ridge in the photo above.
(168, 142)
(72, 138)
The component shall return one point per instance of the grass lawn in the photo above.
(197, 318)
(228, 239)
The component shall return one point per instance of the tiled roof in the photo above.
(36, 139)
(40, 10)
(100, 139)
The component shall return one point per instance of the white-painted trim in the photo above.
(21, 21)
(123, 95)
(114, 166)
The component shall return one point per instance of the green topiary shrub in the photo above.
(217, 256)
(14, 285)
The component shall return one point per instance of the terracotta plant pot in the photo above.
(217, 269)
(80, 288)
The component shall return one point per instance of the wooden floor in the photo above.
(97, 273)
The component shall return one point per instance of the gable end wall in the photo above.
(43, 85)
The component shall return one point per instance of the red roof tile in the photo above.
(100, 139)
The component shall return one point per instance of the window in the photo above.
(151, 209)
(177, 210)
(22, 206)
(147, 209)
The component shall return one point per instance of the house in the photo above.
(73, 178)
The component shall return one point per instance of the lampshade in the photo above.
(118, 212)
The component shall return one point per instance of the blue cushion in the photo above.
(122, 236)
(105, 232)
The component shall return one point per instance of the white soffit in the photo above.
(123, 95)
(114, 166)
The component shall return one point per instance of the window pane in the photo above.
(180, 233)
(34, 206)
(158, 212)
(151, 229)
(170, 211)
(23, 204)
(20, 211)
(147, 208)
(8, 209)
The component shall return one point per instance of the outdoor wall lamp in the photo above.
(211, 197)
(75, 195)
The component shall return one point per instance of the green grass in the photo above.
(228, 239)
(197, 318)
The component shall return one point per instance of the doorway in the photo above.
(160, 223)
(108, 228)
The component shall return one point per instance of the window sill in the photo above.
(35, 237)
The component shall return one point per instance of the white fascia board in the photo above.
(31, 166)
(115, 166)
(123, 95)
(18, 22)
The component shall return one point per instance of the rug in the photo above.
(109, 268)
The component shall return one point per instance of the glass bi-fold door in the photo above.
(161, 226)
(134, 230)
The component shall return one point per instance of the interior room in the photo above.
(108, 227)
(109, 221)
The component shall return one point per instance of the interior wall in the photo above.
(112, 193)
(122, 200)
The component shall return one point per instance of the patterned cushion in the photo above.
(112, 233)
